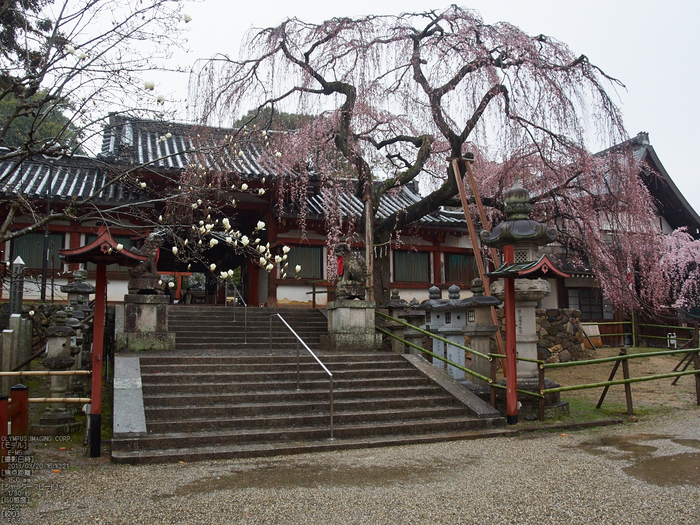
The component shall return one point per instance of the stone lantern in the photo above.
(434, 320)
(519, 237)
(58, 420)
(447, 318)
(480, 329)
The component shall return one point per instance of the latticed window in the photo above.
(310, 258)
(411, 267)
(460, 268)
(30, 248)
(591, 303)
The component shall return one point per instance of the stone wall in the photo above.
(560, 332)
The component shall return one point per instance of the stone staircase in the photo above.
(217, 398)
(206, 328)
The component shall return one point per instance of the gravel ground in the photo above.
(640, 473)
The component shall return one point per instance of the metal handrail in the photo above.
(245, 309)
(300, 340)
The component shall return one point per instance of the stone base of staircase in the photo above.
(185, 408)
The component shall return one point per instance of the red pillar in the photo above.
(511, 363)
(97, 352)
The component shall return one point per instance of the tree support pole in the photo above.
(97, 361)
(475, 244)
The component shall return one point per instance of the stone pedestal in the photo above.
(415, 318)
(350, 326)
(145, 324)
(480, 337)
(527, 293)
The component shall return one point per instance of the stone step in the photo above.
(329, 358)
(265, 376)
(349, 385)
(291, 367)
(156, 441)
(317, 418)
(213, 411)
(250, 450)
(183, 396)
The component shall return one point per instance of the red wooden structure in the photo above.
(102, 251)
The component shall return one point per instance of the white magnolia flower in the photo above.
(230, 273)
(233, 202)
(261, 249)
(189, 267)
(297, 268)
(31, 313)
(160, 283)
(225, 221)
(278, 259)
(260, 225)
(213, 243)
(199, 243)
(160, 99)
(149, 85)
(269, 267)
(261, 191)
(262, 180)
(240, 153)
(187, 18)
(223, 274)
(284, 257)
(168, 135)
(212, 267)
(257, 241)
(285, 249)
(120, 247)
(278, 154)
(194, 206)
(229, 240)
(264, 133)
(262, 261)
(244, 186)
(244, 241)
(70, 49)
(171, 284)
(186, 241)
(174, 250)
(143, 184)
(201, 223)
(199, 202)
(160, 218)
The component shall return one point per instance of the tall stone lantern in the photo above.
(521, 287)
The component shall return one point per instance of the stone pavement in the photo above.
(642, 473)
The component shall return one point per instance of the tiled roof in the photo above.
(172, 146)
(390, 203)
(64, 178)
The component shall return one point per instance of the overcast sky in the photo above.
(649, 45)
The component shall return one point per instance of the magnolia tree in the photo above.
(67, 67)
(66, 64)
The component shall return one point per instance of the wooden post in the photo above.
(628, 387)
(18, 410)
(612, 376)
(493, 380)
(696, 362)
(3, 434)
(540, 373)
(511, 363)
(97, 353)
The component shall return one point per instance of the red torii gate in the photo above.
(102, 251)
